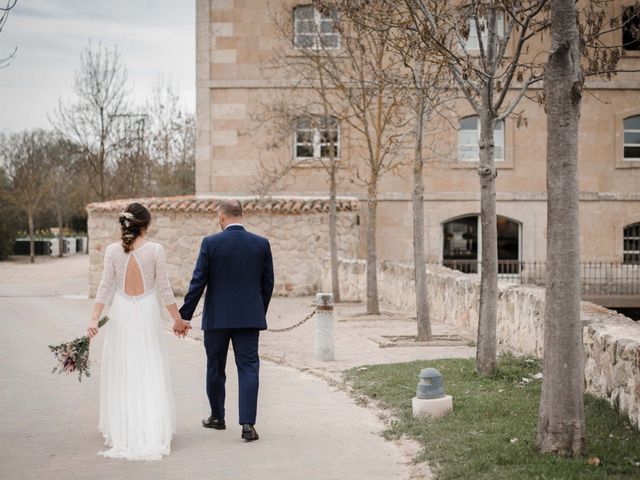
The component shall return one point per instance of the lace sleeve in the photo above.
(162, 278)
(105, 290)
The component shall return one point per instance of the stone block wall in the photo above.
(297, 228)
(611, 341)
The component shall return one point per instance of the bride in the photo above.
(137, 412)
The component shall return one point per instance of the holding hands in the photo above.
(181, 328)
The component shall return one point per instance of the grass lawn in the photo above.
(491, 432)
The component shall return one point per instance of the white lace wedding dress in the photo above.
(137, 412)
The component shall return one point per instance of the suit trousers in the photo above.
(245, 349)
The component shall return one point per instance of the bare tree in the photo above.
(309, 99)
(484, 73)
(424, 79)
(170, 141)
(92, 119)
(4, 16)
(577, 51)
(428, 86)
(368, 99)
(561, 424)
(485, 46)
(132, 165)
(26, 163)
(63, 170)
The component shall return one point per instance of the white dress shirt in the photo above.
(234, 225)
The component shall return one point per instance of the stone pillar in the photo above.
(325, 344)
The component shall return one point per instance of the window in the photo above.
(632, 138)
(469, 135)
(631, 246)
(472, 40)
(631, 28)
(313, 29)
(314, 136)
(461, 244)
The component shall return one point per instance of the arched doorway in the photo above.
(462, 244)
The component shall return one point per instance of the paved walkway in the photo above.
(49, 422)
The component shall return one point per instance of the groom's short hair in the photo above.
(231, 207)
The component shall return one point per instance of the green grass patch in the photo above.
(477, 440)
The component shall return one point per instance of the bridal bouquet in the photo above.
(73, 356)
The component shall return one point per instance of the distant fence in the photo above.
(596, 278)
(50, 246)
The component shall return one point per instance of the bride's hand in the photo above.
(181, 328)
(92, 329)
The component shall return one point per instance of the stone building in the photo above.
(235, 38)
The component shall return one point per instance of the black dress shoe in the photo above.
(214, 423)
(249, 433)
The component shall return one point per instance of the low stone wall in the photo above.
(612, 341)
(296, 227)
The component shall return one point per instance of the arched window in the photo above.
(315, 29)
(632, 138)
(314, 137)
(631, 244)
(469, 135)
(461, 244)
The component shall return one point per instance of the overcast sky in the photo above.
(154, 37)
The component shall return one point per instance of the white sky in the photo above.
(155, 38)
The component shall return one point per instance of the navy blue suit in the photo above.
(236, 268)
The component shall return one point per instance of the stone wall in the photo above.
(612, 341)
(296, 227)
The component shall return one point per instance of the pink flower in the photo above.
(69, 365)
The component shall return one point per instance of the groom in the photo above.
(236, 268)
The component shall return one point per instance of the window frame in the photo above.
(631, 232)
(317, 144)
(317, 35)
(485, 34)
(478, 240)
(625, 144)
(477, 148)
(626, 10)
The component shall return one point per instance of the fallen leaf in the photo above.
(594, 461)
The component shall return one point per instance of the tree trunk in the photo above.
(486, 352)
(32, 234)
(333, 228)
(60, 234)
(561, 422)
(373, 304)
(419, 260)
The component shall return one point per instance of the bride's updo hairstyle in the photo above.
(133, 220)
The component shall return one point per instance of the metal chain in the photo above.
(286, 329)
(295, 325)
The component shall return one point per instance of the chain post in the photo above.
(324, 340)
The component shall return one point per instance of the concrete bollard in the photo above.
(430, 399)
(325, 344)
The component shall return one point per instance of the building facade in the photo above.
(237, 38)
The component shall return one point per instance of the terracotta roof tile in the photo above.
(192, 203)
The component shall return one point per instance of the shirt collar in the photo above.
(234, 225)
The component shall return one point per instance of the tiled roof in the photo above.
(192, 203)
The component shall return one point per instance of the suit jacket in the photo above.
(236, 268)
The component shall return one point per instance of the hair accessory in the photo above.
(127, 215)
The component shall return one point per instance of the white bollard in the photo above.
(325, 345)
